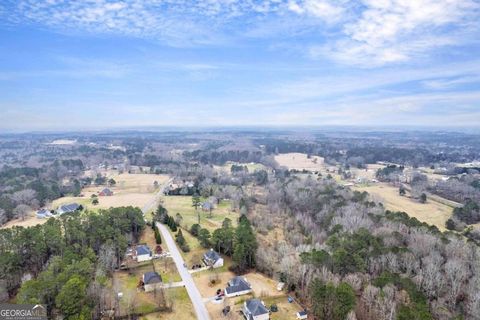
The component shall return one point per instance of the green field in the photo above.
(183, 205)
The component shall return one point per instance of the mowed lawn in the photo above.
(182, 307)
(146, 302)
(183, 205)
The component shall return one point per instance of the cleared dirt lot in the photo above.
(299, 161)
(431, 212)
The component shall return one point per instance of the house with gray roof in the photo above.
(151, 281)
(254, 309)
(237, 286)
(211, 258)
(67, 208)
(143, 253)
(43, 213)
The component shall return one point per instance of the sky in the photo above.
(97, 64)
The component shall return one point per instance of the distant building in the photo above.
(151, 281)
(237, 286)
(212, 259)
(105, 193)
(254, 309)
(67, 208)
(143, 253)
(207, 206)
(302, 315)
(43, 213)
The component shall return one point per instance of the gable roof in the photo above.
(69, 207)
(151, 277)
(211, 255)
(143, 249)
(237, 284)
(106, 191)
(255, 307)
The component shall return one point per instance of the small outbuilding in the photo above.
(106, 192)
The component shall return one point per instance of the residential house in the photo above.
(212, 259)
(143, 253)
(43, 213)
(254, 309)
(67, 208)
(151, 281)
(237, 286)
(106, 192)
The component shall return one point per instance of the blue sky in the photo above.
(109, 64)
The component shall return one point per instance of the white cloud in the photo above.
(379, 32)
(327, 10)
(362, 32)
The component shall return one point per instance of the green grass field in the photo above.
(183, 205)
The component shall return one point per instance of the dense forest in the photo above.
(68, 259)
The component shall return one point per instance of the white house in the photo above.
(254, 309)
(151, 281)
(212, 259)
(302, 315)
(143, 253)
(237, 287)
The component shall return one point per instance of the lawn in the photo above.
(432, 212)
(183, 205)
(182, 307)
(127, 281)
(164, 266)
(286, 310)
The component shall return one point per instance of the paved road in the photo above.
(154, 201)
(195, 297)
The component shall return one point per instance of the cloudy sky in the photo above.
(110, 64)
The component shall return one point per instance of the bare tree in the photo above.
(456, 273)
(26, 196)
(21, 211)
